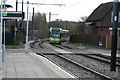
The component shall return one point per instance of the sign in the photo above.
(4, 12)
(14, 15)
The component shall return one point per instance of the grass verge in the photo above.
(88, 46)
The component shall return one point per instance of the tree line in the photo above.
(41, 27)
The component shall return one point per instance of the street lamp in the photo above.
(26, 46)
(1, 37)
(3, 55)
(1, 32)
(4, 1)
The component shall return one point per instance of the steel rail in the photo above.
(98, 59)
(61, 46)
(76, 63)
(108, 57)
(102, 75)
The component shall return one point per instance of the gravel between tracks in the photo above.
(93, 64)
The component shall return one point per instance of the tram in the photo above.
(64, 35)
(58, 35)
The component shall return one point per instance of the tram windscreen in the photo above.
(55, 33)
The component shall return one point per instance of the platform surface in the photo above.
(19, 64)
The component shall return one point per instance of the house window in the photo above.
(112, 17)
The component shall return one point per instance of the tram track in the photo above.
(107, 57)
(66, 46)
(102, 58)
(98, 57)
(86, 72)
(61, 46)
(66, 60)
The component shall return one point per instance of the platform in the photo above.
(19, 64)
(0, 73)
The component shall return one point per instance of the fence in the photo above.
(9, 39)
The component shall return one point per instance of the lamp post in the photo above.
(26, 46)
(1, 32)
(33, 25)
(114, 34)
(4, 1)
(1, 36)
(3, 55)
(15, 27)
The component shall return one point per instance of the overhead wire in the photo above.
(72, 5)
(44, 1)
(75, 4)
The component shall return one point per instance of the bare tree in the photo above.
(83, 18)
(41, 30)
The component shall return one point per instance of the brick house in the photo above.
(99, 23)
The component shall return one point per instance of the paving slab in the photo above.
(0, 73)
(19, 64)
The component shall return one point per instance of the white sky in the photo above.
(73, 10)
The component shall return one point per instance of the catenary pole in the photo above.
(22, 21)
(21, 25)
(49, 17)
(26, 47)
(33, 25)
(49, 20)
(3, 55)
(114, 34)
(22, 5)
(1, 36)
(15, 27)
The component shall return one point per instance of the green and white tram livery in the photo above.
(58, 35)
(55, 35)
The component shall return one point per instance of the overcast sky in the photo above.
(73, 10)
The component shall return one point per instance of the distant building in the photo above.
(99, 23)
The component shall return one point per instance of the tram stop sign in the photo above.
(4, 12)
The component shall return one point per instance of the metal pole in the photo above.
(26, 47)
(21, 26)
(4, 32)
(16, 23)
(114, 34)
(3, 55)
(33, 25)
(49, 17)
(4, 28)
(3, 47)
(66, 24)
(49, 20)
(22, 5)
(15, 27)
(1, 36)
